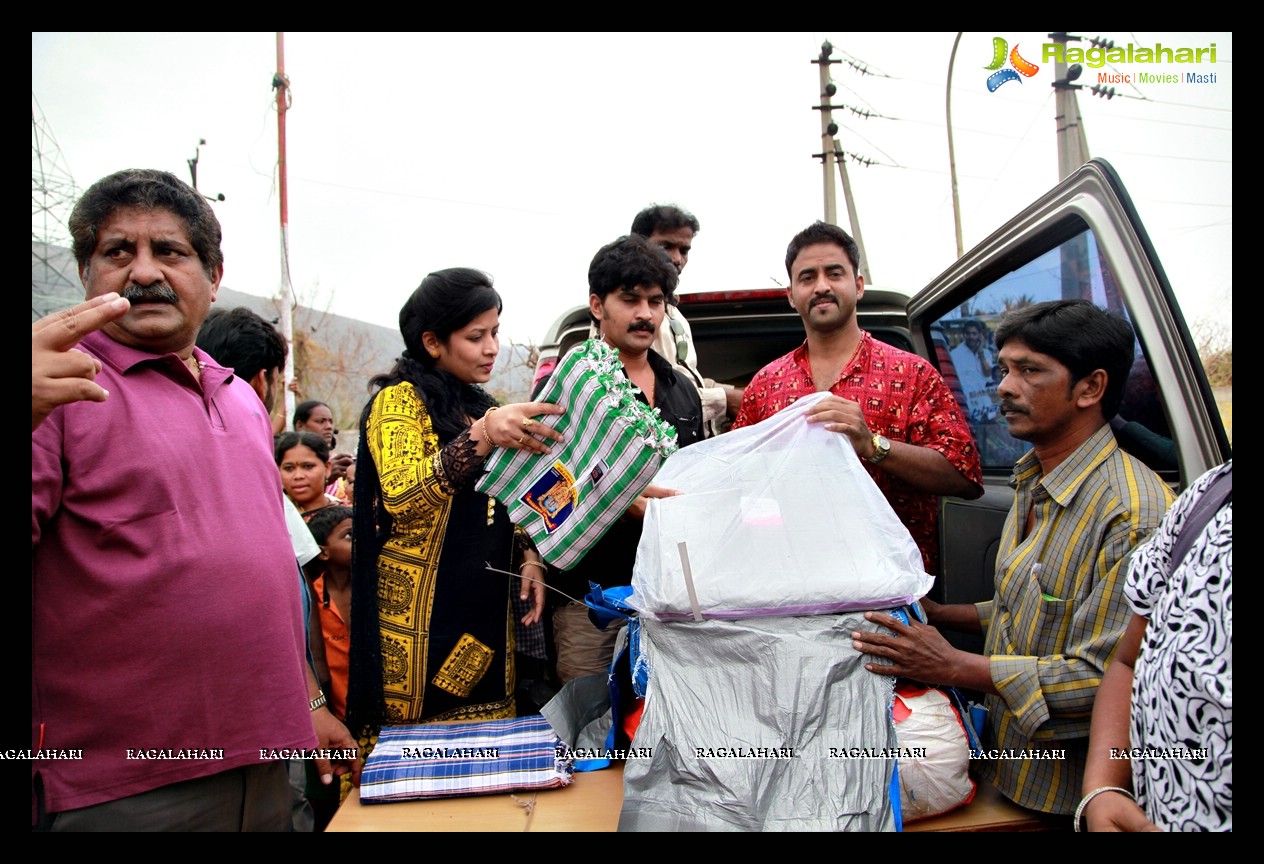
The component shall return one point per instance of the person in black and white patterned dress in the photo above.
(1163, 721)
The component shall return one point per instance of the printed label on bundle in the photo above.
(554, 496)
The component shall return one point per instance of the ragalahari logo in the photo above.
(1000, 48)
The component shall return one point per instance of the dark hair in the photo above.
(1080, 336)
(243, 341)
(629, 262)
(668, 217)
(147, 189)
(822, 232)
(974, 324)
(443, 303)
(326, 520)
(303, 411)
(311, 440)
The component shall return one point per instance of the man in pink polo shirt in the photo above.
(167, 679)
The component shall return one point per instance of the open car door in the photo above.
(1082, 239)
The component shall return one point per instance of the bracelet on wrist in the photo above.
(482, 424)
(319, 702)
(539, 564)
(1079, 811)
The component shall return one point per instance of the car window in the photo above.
(965, 352)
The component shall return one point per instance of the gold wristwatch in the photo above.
(881, 447)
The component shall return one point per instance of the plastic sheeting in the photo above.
(779, 518)
(768, 724)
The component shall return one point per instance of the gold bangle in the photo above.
(482, 424)
(532, 564)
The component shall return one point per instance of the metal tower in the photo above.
(54, 280)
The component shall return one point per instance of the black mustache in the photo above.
(156, 293)
(641, 325)
(1008, 407)
(830, 297)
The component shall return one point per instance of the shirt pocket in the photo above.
(1039, 622)
(688, 429)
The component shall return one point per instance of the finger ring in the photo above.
(522, 437)
(527, 422)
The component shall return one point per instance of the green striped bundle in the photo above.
(614, 446)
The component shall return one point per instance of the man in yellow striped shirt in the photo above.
(1080, 506)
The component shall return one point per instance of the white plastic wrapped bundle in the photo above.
(779, 518)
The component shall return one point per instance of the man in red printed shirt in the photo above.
(892, 405)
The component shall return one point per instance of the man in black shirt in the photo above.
(630, 283)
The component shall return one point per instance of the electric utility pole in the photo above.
(831, 153)
(281, 83)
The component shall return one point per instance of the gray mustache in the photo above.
(156, 293)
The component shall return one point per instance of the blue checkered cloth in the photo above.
(440, 760)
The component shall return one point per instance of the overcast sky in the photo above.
(521, 154)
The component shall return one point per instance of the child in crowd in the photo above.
(331, 575)
(331, 527)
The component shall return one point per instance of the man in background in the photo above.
(972, 359)
(672, 229)
(250, 346)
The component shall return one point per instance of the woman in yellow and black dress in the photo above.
(432, 627)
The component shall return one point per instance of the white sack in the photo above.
(937, 779)
(780, 518)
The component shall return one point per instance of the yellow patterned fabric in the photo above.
(446, 629)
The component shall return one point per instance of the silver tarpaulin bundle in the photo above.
(615, 444)
(762, 724)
